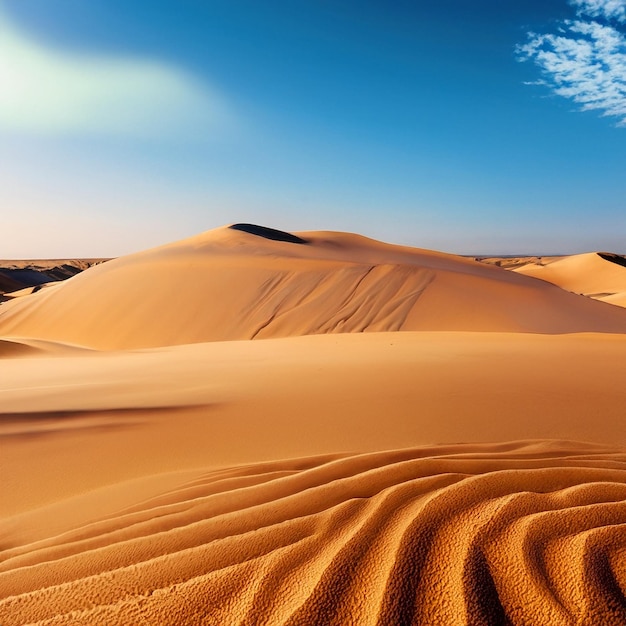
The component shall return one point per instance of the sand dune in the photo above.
(598, 275)
(512, 262)
(229, 284)
(469, 470)
(524, 533)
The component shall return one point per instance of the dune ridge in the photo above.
(520, 532)
(230, 284)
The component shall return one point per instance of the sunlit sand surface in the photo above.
(230, 430)
(596, 274)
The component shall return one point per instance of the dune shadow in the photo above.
(10, 349)
(45, 423)
(613, 258)
(268, 233)
(481, 595)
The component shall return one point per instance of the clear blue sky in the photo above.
(487, 126)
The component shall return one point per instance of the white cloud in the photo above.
(47, 91)
(584, 61)
(608, 9)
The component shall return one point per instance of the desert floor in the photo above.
(252, 427)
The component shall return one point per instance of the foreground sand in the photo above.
(426, 477)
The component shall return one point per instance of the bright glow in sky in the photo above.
(43, 90)
(470, 127)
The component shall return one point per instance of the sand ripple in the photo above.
(520, 533)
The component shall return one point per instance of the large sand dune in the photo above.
(432, 476)
(231, 284)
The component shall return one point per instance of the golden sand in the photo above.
(160, 468)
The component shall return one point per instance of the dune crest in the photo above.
(268, 233)
(454, 534)
(232, 283)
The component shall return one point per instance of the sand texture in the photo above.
(521, 533)
(158, 467)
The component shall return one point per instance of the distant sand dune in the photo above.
(523, 533)
(598, 275)
(236, 284)
(19, 278)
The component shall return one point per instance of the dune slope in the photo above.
(233, 284)
(522, 533)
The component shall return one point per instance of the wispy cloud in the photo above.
(46, 91)
(608, 9)
(585, 60)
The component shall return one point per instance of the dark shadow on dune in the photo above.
(268, 233)
(601, 576)
(613, 258)
(11, 349)
(481, 595)
(44, 423)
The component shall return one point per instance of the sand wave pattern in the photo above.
(520, 533)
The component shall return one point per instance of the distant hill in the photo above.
(19, 278)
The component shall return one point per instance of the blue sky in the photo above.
(470, 127)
